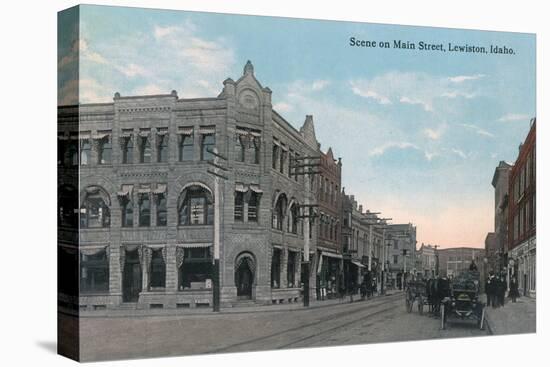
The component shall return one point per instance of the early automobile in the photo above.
(463, 300)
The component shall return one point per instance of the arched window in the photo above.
(105, 150)
(94, 212)
(158, 269)
(196, 206)
(85, 150)
(128, 151)
(278, 212)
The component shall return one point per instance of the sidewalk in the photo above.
(233, 310)
(513, 318)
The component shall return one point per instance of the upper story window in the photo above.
(290, 162)
(145, 148)
(85, 152)
(240, 148)
(162, 147)
(68, 202)
(208, 143)
(253, 205)
(127, 213)
(239, 206)
(279, 212)
(94, 211)
(196, 207)
(186, 144)
(128, 150)
(275, 156)
(105, 150)
(294, 219)
(162, 213)
(94, 271)
(283, 160)
(256, 146)
(144, 210)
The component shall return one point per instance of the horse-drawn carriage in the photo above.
(415, 292)
(463, 301)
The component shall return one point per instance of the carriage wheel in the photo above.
(443, 321)
(420, 306)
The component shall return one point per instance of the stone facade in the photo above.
(150, 207)
(426, 260)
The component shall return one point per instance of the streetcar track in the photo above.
(331, 317)
(296, 341)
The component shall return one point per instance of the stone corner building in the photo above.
(138, 207)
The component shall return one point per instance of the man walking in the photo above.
(514, 289)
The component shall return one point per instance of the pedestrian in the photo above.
(488, 290)
(473, 266)
(502, 290)
(514, 289)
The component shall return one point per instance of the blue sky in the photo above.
(419, 132)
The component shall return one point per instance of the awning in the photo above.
(144, 133)
(256, 188)
(185, 130)
(331, 254)
(160, 189)
(101, 135)
(62, 136)
(240, 188)
(162, 132)
(126, 191)
(144, 190)
(255, 134)
(355, 262)
(126, 134)
(207, 130)
(194, 245)
(84, 135)
(280, 247)
(242, 131)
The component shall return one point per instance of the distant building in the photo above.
(497, 242)
(454, 260)
(522, 238)
(426, 261)
(402, 250)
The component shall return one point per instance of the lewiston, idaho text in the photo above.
(425, 46)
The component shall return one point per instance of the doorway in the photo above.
(132, 277)
(244, 278)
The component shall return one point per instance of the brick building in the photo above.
(402, 251)
(141, 216)
(329, 247)
(522, 237)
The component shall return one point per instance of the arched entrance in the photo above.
(244, 276)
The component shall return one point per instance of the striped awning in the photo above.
(256, 188)
(357, 263)
(185, 130)
(160, 189)
(162, 131)
(144, 133)
(126, 191)
(101, 135)
(207, 130)
(194, 245)
(239, 187)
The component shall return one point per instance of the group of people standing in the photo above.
(495, 288)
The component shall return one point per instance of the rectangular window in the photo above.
(158, 269)
(94, 272)
(240, 148)
(162, 150)
(186, 146)
(105, 149)
(256, 146)
(290, 162)
(197, 214)
(208, 143)
(275, 156)
(239, 206)
(144, 210)
(276, 268)
(196, 269)
(127, 213)
(128, 151)
(162, 216)
(253, 203)
(283, 160)
(145, 151)
(291, 270)
(395, 259)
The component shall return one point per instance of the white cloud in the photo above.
(459, 152)
(132, 70)
(150, 89)
(462, 78)
(478, 130)
(319, 84)
(365, 93)
(282, 107)
(399, 145)
(414, 88)
(514, 117)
